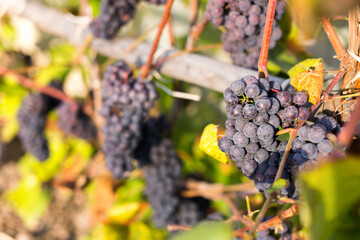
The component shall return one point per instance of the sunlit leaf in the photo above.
(208, 231)
(308, 76)
(123, 213)
(142, 231)
(209, 143)
(332, 200)
(108, 232)
(28, 199)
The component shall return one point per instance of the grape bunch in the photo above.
(244, 21)
(114, 14)
(256, 109)
(32, 117)
(72, 120)
(162, 176)
(126, 104)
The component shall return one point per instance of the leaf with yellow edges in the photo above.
(308, 76)
(209, 143)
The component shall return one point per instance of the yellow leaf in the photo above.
(122, 213)
(308, 80)
(209, 143)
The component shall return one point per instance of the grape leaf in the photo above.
(308, 76)
(209, 143)
(331, 208)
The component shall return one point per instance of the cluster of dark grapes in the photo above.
(244, 21)
(283, 233)
(114, 14)
(256, 109)
(32, 117)
(72, 120)
(126, 104)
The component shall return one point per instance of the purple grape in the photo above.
(240, 123)
(240, 139)
(254, 20)
(249, 79)
(229, 133)
(255, 9)
(230, 123)
(249, 30)
(241, 21)
(317, 133)
(252, 90)
(236, 111)
(231, 100)
(265, 132)
(244, 5)
(225, 144)
(304, 132)
(238, 87)
(275, 85)
(275, 106)
(304, 113)
(264, 84)
(300, 98)
(329, 123)
(250, 129)
(237, 153)
(249, 111)
(261, 155)
(263, 104)
(284, 98)
(325, 146)
(261, 118)
(274, 121)
(272, 147)
(259, 177)
(252, 147)
(299, 159)
(291, 113)
(309, 151)
(297, 144)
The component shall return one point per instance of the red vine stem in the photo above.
(162, 24)
(345, 136)
(335, 41)
(262, 63)
(293, 210)
(32, 85)
(262, 212)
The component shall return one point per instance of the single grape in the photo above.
(267, 142)
(300, 98)
(230, 123)
(262, 167)
(264, 84)
(304, 113)
(263, 104)
(253, 19)
(325, 146)
(252, 90)
(291, 113)
(265, 132)
(284, 98)
(225, 144)
(238, 87)
(231, 100)
(261, 118)
(254, 139)
(263, 94)
(299, 159)
(261, 155)
(217, 11)
(249, 111)
(290, 88)
(236, 111)
(297, 144)
(275, 106)
(329, 123)
(275, 85)
(249, 79)
(319, 117)
(304, 132)
(255, 9)
(240, 139)
(317, 133)
(272, 147)
(259, 177)
(252, 147)
(237, 153)
(271, 172)
(250, 129)
(274, 159)
(274, 121)
(247, 167)
(309, 151)
(241, 21)
(240, 123)
(282, 146)
(227, 92)
(249, 30)
(286, 124)
(244, 5)
(229, 133)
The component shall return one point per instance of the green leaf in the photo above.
(141, 231)
(332, 200)
(28, 199)
(108, 232)
(208, 231)
(281, 183)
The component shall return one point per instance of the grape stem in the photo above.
(263, 58)
(195, 32)
(178, 228)
(292, 211)
(262, 213)
(34, 86)
(162, 24)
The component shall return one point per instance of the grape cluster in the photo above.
(191, 211)
(244, 21)
(114, 14)
(72, 120)
(32, 119)
(126, 104)
(256, 109)
(162, 176)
